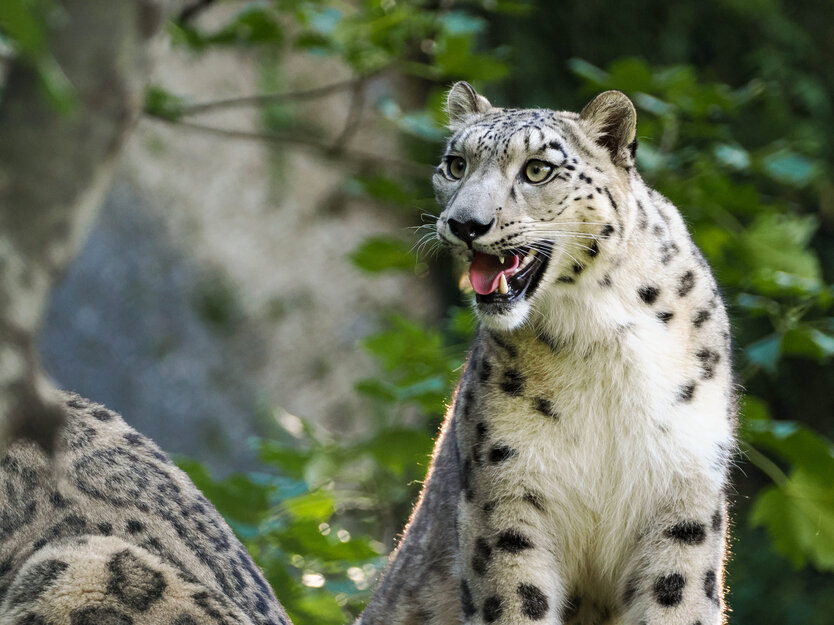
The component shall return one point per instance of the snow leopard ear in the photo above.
(612, 122)
(463, 104)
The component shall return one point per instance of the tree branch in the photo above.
(281, 96)
(360, 158)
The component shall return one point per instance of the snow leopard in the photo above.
(108, 531)
(581, 474)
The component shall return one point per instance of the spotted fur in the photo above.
(110, 532)
(580, 474)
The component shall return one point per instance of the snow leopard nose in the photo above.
(468, 231)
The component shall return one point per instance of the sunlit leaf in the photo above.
(314, 506)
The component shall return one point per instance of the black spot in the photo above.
(709, 359)
(99, 615)
(700, 317)
(513, 541)
(133, 582)
(35, 581)
(545, 406)
(466, 600)
(631, 587)
(668, 589)
(39, 544)
(577, 268)
(611, 199)
(717, 520)
(607, 231)
(480, 436)
(534, 499)
(485, 370)
(606, 280)
(686, 392)
(58, 500)
(533, 602)
(184, 619)
(134, 439)
(500, 453)
(711, 586)
(513, 383)
(134, 526)
(668, 250)
(102, 415)
(571, 608)
(105, 528)
(31, 619)
(686, 284)
(565, 279)
(648, 294)
(665, 316)
(489, 506)
(687, 532)
(593, 250)
(493, 608)
(510, 349)
(466, 480)
(482, 556)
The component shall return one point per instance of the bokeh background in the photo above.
(257, 295)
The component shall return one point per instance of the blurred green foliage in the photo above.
(735, 116)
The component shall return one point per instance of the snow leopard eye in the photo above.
(455, 167)
(537, 171)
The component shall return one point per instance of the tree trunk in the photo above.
(54, 170)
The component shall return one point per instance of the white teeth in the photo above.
(501, 259)
(532, 252)
(503, 288)
(527, 260)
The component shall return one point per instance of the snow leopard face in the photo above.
(532, 197)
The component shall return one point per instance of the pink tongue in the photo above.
(485, 271)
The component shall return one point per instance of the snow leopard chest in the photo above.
(588, 443)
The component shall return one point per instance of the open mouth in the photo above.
(507, 278)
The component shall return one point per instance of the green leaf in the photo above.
(163, 104)
(808, 342)
(401, 449)
(800, 520)
(733, 156)
(779, 242)
(386, 190)
(806, 450)
(291, 460)
(315, 506)
(318, 607)
(238, 497)
(592, 74)
(789, 167)
(766, 352)
(22, 21)
(377, 254)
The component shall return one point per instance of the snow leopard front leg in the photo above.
(676, 576)
(509, 573)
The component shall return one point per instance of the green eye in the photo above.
(537, 171)
(456, 167)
